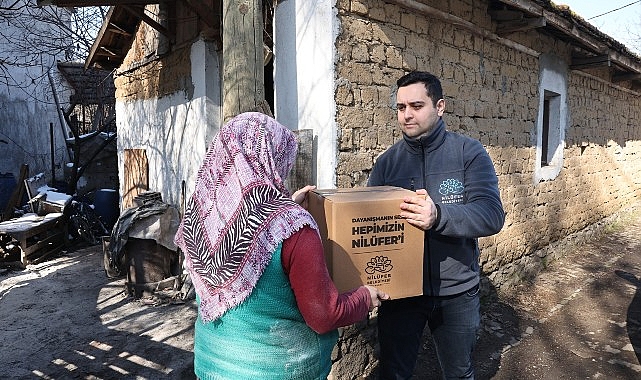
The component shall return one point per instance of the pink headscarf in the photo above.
(240, 211)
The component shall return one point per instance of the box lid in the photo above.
(374, 194)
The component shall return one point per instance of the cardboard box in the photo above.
(366, 241)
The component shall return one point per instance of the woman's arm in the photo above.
(322, 307)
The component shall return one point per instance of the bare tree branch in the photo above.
(36, 37)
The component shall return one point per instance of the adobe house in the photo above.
(555, 101)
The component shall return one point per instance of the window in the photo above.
(551, 121)
(552, 118)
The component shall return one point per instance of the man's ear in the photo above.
(440, 107)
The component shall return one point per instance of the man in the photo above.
(457, 201)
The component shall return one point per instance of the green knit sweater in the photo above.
(264, 338)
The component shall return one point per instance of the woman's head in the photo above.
(261, 150)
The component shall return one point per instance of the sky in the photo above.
(624, 25)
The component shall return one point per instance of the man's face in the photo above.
(415, 110)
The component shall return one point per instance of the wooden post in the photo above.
(243, 61)
(53, 155)
(301, 174)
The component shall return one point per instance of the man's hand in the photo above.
(300, 196)
(419, 210)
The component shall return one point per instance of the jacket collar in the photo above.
(427, 142)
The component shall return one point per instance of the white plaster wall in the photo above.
(304, 55)
(175, 131)
(553, 77)
(27, 111)
(26, 99)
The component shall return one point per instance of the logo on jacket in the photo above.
(451, 186)
(451, 190)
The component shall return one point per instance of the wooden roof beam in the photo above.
(625, 61)
(570, 28)
(140, 13)
(109, 52)
(114, 28)
(206, 13)
(103, 29)
(626, 77)
(523, 25)
(552, 19)
(587, 62)
(427, 10)
(505, 15)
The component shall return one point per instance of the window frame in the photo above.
(552, 118)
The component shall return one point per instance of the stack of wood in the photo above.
(32, 237)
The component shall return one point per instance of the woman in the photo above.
(267, 306)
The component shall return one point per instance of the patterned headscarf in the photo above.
(240, 211)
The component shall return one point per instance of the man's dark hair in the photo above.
(431, 83)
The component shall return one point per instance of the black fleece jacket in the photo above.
(459, 176)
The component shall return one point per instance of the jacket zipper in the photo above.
(427, 233)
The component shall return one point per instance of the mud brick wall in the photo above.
(154, 67)
(148, 79)
(492, 94)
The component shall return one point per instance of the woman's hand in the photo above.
(376, 297)
(300, 196)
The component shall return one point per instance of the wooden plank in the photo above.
(23, 230)
(51, 232)
(140, 13)
(32, 186)
(45, 255)
(55, 238)
(136, 176)
(507, 27)
(592, 61)
(625, 77)
(301, 174)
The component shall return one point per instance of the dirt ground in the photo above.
(579, 319)
(64, 319)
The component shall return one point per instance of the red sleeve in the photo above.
(322, 307)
